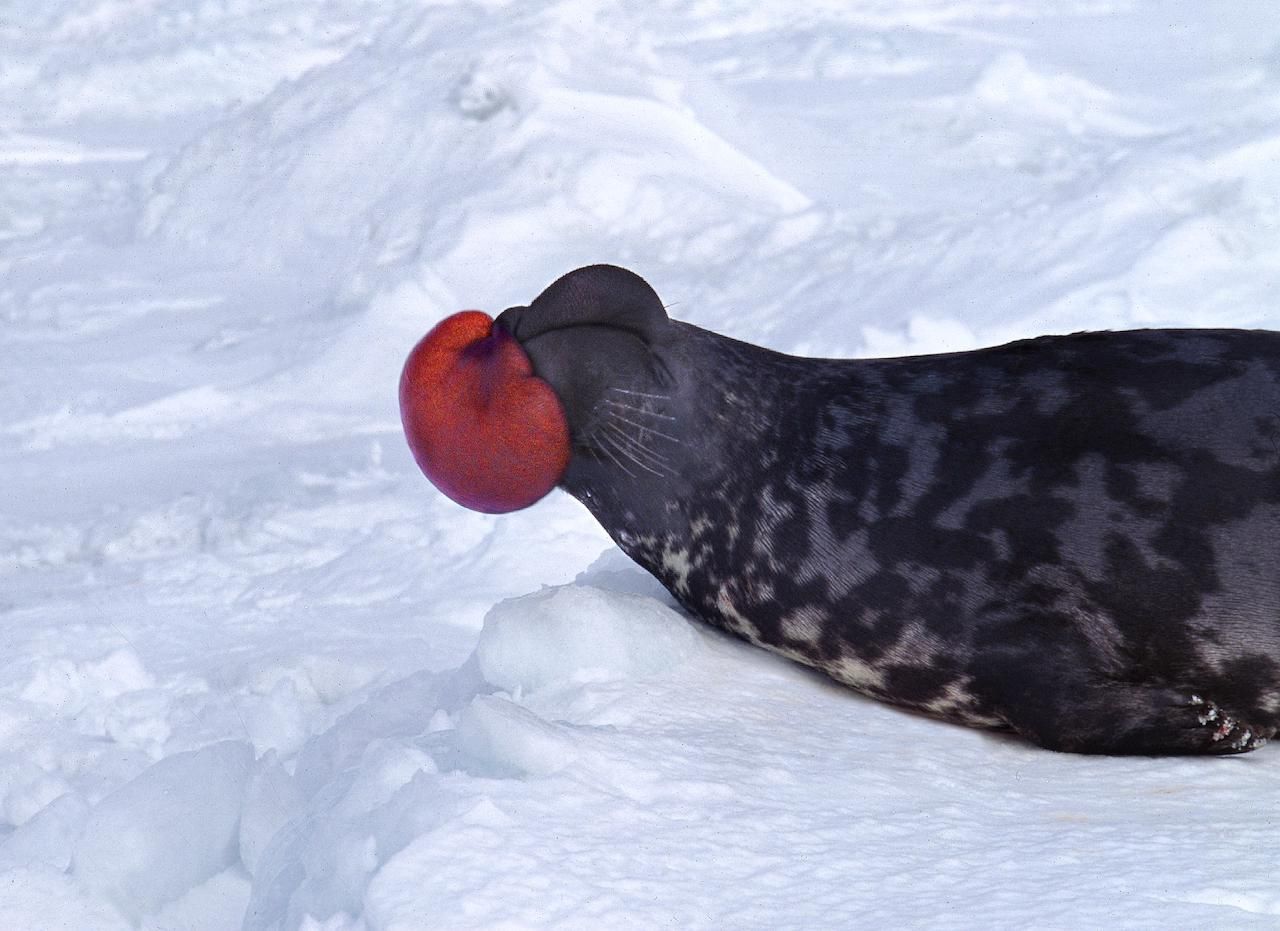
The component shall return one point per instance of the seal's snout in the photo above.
(488, 432)
(494, 410)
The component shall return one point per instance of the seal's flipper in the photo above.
(1134, 720)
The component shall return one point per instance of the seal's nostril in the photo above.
(486, 431)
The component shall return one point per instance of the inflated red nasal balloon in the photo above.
(488, 432)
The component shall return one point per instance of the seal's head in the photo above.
(592, 332)
(495, 411)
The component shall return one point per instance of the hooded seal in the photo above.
(1076, 538)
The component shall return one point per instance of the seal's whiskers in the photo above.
(605, 447)
(641, 394)
(646, 427)
(639, 410)
(636, 450)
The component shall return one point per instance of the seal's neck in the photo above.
(652, 457)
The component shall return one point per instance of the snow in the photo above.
(167, 830)
(579, 633)
(255, 672)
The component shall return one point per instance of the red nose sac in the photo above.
(488, 432)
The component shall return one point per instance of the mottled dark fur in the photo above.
(1076, 537)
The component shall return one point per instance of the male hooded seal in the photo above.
(1074, 537)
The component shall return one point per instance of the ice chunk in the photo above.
(614, 571)
(1009, 83)
(577, 633)
(271, 800)
(214, 905)
(48, 836)
(318, 865)
(171, 828)
(26, 788)
(69, 687)
(278, 721)
(111, 696)
(505, 737)
(43, 897)
(400, 709)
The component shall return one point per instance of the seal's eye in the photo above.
(488, 432)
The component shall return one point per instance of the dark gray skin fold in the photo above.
(1074, 537)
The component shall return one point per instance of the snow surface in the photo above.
(255, 672)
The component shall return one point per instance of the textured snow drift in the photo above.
(255, 672)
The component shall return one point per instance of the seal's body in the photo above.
(1076, 537)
